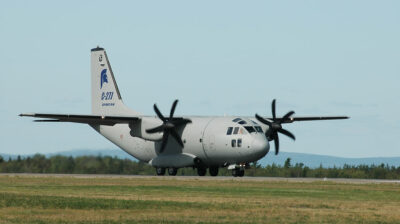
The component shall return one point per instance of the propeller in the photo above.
(275, 126)
(169, 126)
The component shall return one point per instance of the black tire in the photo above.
(235, 172)
(241, 173)
(201, 171)
(160, 171)
(213, 171)
(172, 171)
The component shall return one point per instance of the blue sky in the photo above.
(216, 57)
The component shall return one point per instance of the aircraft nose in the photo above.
(260, 146)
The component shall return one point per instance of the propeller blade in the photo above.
(276, 140)
(156, 129)
(287, 133)
(164, 141)
(176, 137)
(290, 113)
(181, 122)
(159, 113)
(171, 114)
(262, 120)
(273, 109)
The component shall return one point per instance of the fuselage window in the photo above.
(250, 129)
(239, 142)
(259, 129)
(229, 131)
(235, 131)
(236, 119)
(233, 143)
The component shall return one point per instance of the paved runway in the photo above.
(207, 178)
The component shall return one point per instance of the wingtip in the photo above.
(26, 115)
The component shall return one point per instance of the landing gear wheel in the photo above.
(235, 172)
(201, 171)
(213, 171)
(160, 171)
(238, 172)
(172, 171)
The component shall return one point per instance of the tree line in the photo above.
(113, 165)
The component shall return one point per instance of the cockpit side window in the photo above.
(239, 142)
(235, 131)
(254, 122)
(250, 129)
(259, 129)
(229, 132)
(233, 143)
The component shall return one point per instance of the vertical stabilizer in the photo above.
(106, 98)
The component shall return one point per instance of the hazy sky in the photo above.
(217, 57)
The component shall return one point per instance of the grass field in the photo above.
(25, 199)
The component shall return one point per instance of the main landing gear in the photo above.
(171, 171)
(213, 171)
(160, 171)
(201, 171)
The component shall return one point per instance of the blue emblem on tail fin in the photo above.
(103, 78)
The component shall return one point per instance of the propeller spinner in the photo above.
(276, 126)
(169, 126)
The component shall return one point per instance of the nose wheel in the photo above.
(238, 172)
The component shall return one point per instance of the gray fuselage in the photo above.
(206, 138)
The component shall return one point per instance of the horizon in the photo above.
(120, 150)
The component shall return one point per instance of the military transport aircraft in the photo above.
(169, 142)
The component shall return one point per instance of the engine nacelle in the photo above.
(139, 127)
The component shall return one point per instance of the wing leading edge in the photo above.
(84, 119)
(293, 119)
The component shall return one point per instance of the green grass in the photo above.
(27, 199)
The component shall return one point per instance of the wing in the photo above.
(85, 119)
(293, 119)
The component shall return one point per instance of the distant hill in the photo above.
(310, 160)
(313, 160)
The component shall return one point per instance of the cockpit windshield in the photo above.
(236, 130)
(259, 129)
(250, 129)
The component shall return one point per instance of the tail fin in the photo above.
(106, 98)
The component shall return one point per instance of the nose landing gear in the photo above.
(238, 172)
